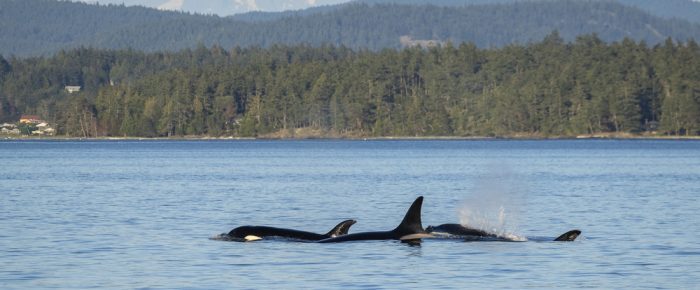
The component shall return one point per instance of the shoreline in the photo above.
(356, 138)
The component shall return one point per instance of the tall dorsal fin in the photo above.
(341, 229)
(411, 223)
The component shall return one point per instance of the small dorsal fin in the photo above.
(569, 236)
(341, 229)
(411, 223)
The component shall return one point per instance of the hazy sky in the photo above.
(222, 7)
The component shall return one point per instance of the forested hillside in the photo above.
(682, 9)
(550, 88)
(34, 27)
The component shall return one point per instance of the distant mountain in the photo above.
(34, 27)
(682, 9)
(221, 7)
(261, 16)
(261, 10)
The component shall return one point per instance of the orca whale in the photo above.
(459, 230)
(467, 233)
(254, 233)
(409, 230)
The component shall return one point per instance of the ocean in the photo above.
(140, 214)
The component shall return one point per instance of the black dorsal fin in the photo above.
(411, 223)
(569, 236)
(341, 229)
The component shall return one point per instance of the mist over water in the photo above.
(496, 203)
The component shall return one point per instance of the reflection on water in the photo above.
(139, 214)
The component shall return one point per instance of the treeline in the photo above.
(36, 27)
(550, 88)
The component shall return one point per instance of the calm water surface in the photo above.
(138, 214)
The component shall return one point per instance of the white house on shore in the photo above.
(9, 129)
(73, 89)
(43, 129)
(36, 125)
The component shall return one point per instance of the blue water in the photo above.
(139, 214)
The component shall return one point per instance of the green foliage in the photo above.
(550, 88)
(26, 128)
